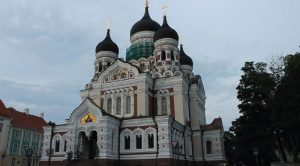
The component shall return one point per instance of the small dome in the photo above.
(165, 32)
(185, 59)
(107, 45)
(145, 24)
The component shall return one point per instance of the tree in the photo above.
(229, 147)
(253, 128)
(286, 105)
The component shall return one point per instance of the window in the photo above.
(172, 56)
(100, 67)
(18, 134)
(23, 162)
(138, 141)
(127, 142)
(118, 105)
(26, 136)
(150, 141)
(208, 147)
(109, 104)
(25, 147)
(1, 124)
(128, 104)
(15, 149)
(163, 55)
(65, 146)
(57, 142)
(163, 106)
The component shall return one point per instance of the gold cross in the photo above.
(109, 24)
(180, 40)
(146, 3)
(164, 9)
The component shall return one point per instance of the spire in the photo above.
(146, 15)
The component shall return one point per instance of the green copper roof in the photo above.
(136, 51)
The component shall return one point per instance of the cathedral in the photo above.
(146, 110)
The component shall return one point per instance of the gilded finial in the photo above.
(180, 40)
(164, 9)
(146, 3)
(109, 24)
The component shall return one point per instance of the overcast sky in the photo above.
(47, 47)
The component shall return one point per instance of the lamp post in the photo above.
(29, 153)
(177, 149)
(52, 124)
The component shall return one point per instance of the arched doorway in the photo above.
(87, 148)
(92, 143)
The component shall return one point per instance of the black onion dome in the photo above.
(145, 24)
(107, 45)
(165, 32)
(185, 59)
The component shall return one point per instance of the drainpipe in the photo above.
(119, 159)
(192, 133)
(153, 118)
(184, 145)
(204, 162)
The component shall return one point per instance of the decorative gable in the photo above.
(119, 71)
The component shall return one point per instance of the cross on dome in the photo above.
(164, 9)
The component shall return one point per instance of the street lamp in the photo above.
(29, 153)
(52, 124)
(177, 149)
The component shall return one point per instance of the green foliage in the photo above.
(253, 127)
(286, 104)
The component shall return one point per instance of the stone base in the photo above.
(142, 162)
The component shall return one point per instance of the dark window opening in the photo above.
(57, 142)
(208, 147)
(109, 104)
(150, 141)
(163, 55)
(127, 142)
(118, 105)
(172, 56)
(138, 141)
(65, 146)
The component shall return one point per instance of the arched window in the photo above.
(109, 105)
(65, 145)
(163, 55)
(172, 56)
(128, 104)
(208, 147)
(138, 141)
(163, 106)
(100, 67)
(108, 64)
(127, 142)
(150, 141)
(118, 105)
(57, 142)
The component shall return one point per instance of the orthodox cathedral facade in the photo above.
(147, 110)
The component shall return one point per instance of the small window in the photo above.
(1, 124)
(138, 141)
(65, 145)
(172, 56)
(18, 134)
(109, 105)
(208, 147)
(100, 67)
(163, 55)
(150, 141)
(15, 149)
(128, 104)
(163, 106)
(57, 142)
(127, 142)
(118, 105)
